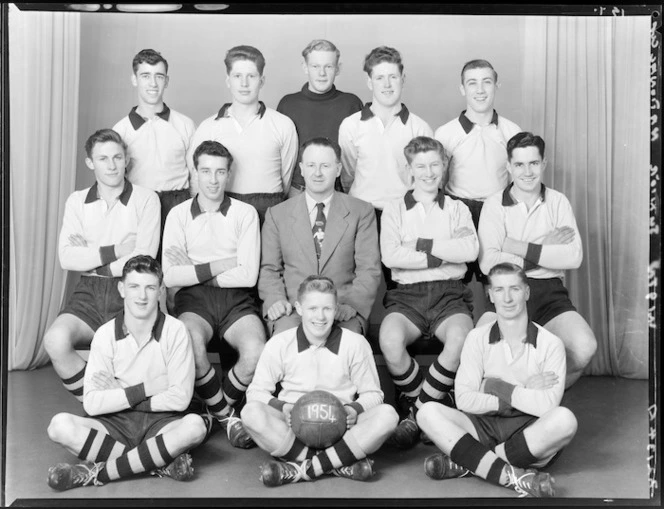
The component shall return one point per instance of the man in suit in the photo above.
(323, 232)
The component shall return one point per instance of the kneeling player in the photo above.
(317, 355)
(139, 380)
(426, 239)
(508, 391)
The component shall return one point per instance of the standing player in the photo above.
(103, 226)
(508, 391)
(157, 137)
(476, 141)
(317, 355)
(263, 141)
(318, 109)
(534, 227)
(139, 381)
(211, 258)
(426, 240)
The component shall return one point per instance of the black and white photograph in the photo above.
(308, 254)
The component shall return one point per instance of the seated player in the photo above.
(317, 355)
(103, 226)
(508, 390)
(139, 381)
(211, 257)
(324, 232)
(426, 240)
(534, 227)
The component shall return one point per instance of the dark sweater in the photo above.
(317, 115)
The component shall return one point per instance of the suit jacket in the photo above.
(350, 253)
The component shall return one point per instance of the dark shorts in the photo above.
(427, 304)
(548, 299)
(260, 201)
(495, 429)
(95, 300)
(132, 427)
(220, 307)
(475, 207)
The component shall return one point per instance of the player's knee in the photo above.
(428, 413)
(57, 342)
(455, 339)
(252, 415)
(565, 424)
(387, 418)
(586, 348)
(251, 351)
(196, 428)
(392, 343)
(60, 427)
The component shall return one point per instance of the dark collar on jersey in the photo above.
(468, 125)
(508, 201)
(223, 112)
(367, 113)
(93, 193)
(332, 343)
(410, 200)
(531, 334)
(223, 206)
(137, 121)
(121, 331)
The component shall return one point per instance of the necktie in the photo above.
(318, 229)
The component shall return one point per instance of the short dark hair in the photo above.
(315, 283)
(382, 54)
(523, 140)
(143, 264)
(244, 53)
(322, 142)
(103, 136)
(478, 64)
(508, 268)
(320, 45)
(212, 148)
(148, 56)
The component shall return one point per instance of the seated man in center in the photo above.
(324, 232)
(426, 239)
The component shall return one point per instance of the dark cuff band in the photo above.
(135, 394)
(433, 262)
(424, 245)
(358, 408)
(277, 403)
(104, 270)
(531, 260)
(203, 272)
(107, 254)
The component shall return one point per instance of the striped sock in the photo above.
(75, 384)
(234, 389)
(517, 451)
(437, 383)
(345, 452)
(99, 446)
(477, 458)
(146, 457)
(292, 449)
(410, 382)
(208, 388)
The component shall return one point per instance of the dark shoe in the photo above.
(440, 466)
(238, 436)
(180, 469)
(359, 471)
(65, 476)
(530, 483)
(406, 433)
(275, 473)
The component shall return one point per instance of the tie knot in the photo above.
(320, 206)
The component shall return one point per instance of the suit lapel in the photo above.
(301, 230)
(335, 228)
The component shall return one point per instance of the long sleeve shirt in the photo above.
(134, 216)
(167, 353)
(503, 216)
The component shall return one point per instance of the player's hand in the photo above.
(460, 233)
(351, 416)
(177, 256)
(104, 381)
(279, 309)
(156, 385)
(77, 240)
(127, 247)
(344, 313)
(286, 410)
(562, 235)
(542, 380)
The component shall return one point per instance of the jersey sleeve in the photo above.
(76, 258)
(245, 273)
(394, 255)
(492, 234)
(459, 250)
(348, 154)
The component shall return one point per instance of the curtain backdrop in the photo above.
(43, 82)
(587, 95)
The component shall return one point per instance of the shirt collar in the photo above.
(508, 201)
(137, 121)
(468, 125)
(410, 200)
(223, 206)
(93, 193)
(311, 203)
(223, 112)
(531, 334)
(366, 113)
(332, 343)
(121, 331)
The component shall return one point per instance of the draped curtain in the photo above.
(587, 94)
(43, 84)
